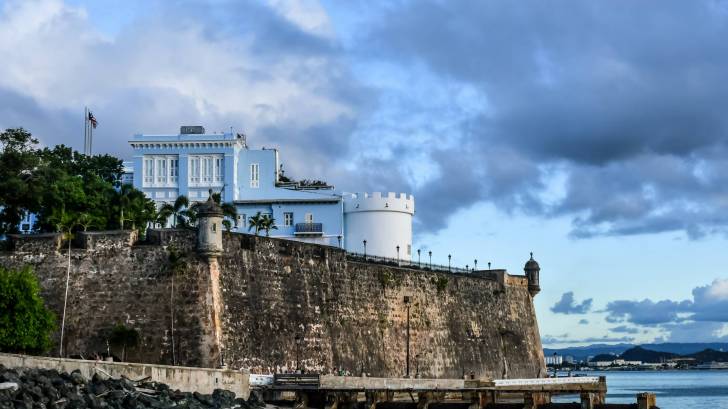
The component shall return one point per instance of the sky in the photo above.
(592, 133)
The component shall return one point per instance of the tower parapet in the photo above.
(384, 220)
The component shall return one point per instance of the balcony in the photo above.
(309, 229)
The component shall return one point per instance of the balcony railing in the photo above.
(309, 228)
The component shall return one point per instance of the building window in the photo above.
(214, 227)
(309, 218)
(409, 249)
(161, 171)
(242, 220)
(173, 170)
(219, 169)
(148, 172)
(254, 175)
(288, 219)
(206, 170)
(195, 170)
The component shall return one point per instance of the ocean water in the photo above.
(673, 389)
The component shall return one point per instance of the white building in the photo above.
(193, 162)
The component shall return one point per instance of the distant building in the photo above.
(192, 162)
(554, 360)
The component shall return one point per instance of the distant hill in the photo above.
(709, 355)
(604, 357)
(581, 353)
(646, 355)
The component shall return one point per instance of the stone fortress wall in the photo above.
(284, 304)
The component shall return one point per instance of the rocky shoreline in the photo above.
(47, 388)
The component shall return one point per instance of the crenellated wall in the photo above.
(283, 302)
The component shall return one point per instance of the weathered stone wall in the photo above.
(347, 315)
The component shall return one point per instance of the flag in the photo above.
(92, 119)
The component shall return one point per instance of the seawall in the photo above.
(284, 304)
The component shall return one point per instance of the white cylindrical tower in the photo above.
(383, 220)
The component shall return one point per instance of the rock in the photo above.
(77, 378)
(9, 385)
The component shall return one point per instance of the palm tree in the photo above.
(228, 210)
(269, 223)
(188, 216)
(179, 204)
(256, 222)
(163, 214)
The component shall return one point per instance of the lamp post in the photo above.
(476, 265)
(430, 259)
(407, 356)
(398, 255)
(365, 250)
(489, 265)
(419, 264)
(298, 352)
(339, 237)
(449, 257)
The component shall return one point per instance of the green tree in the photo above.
(25, 323)
(228, 210)
(123, 337)
(180, 203)
(268, 224)
(20, 192)
(256, 222)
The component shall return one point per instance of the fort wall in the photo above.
(285, 304)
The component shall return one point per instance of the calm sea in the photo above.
(674, 389)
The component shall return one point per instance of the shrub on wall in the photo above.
(25, 322)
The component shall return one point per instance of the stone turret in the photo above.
(532, 270)
(209, 228)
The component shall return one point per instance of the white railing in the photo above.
(547, 381)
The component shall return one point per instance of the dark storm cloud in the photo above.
(628, 97)
(568, 305)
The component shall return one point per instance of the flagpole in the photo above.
(85, 130)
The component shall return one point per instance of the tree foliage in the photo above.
(54, 181)
(25, 323)
(124, 337)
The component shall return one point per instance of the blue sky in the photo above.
(592, 133)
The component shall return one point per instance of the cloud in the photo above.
(625, 329)
(568, 305)
(262, 69)
(409, 97)
(634, 120)
(565, 339)
(706, 314)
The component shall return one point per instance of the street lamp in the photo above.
(398, 255)
(489, 265)
(476, 265)
(430, 259)
(298, 352)
(365, 250)
(419, 264)
(407, 357)
(339, 237)
(449, 257)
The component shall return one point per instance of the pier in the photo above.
(348, 392)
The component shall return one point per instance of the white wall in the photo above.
(384, 221)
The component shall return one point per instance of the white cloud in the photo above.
(154, 76)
